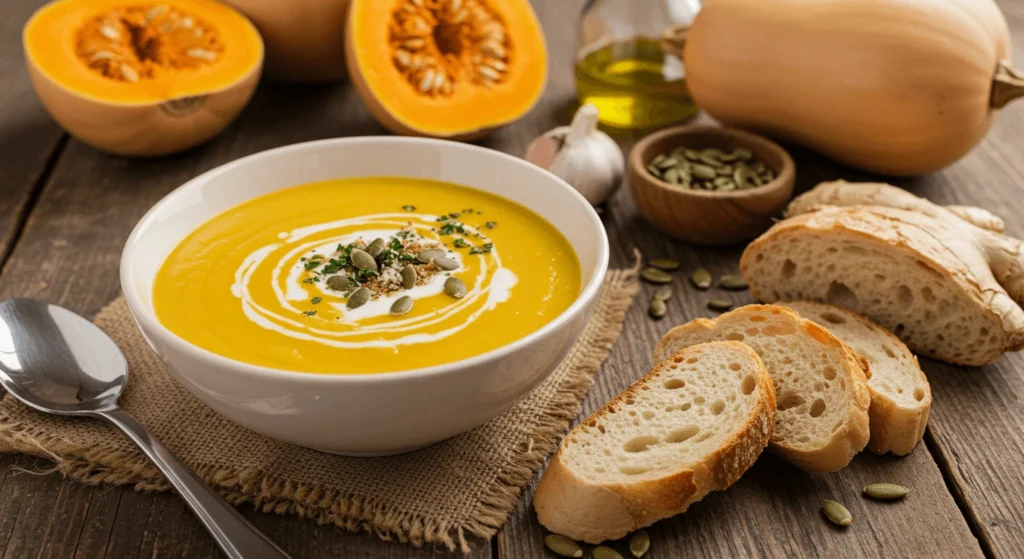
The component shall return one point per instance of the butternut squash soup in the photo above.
(366, 275)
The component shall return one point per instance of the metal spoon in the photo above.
(58, 362)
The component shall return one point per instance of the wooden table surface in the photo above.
(66, 210)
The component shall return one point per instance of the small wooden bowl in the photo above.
(709, 217)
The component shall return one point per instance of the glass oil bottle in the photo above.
(621, 67)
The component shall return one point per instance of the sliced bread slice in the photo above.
(900, 395)
(692, 425)
(820, 384)
(927, 280)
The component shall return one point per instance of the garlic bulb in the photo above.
(581, 155)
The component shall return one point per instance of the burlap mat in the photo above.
(465, 486)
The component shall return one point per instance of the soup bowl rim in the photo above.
(145, 314)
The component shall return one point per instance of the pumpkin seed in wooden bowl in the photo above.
(710, 185)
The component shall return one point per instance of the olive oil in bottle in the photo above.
(634, 84)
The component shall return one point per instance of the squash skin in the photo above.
(898, 87)
(304, 39)
(142, 130)
(137, 124)
(536, 46)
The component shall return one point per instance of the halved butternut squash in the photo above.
(142, 79)
(446, 68)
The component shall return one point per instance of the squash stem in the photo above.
(1007, 85)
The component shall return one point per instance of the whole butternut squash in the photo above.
(898, 87)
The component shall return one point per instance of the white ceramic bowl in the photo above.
(364, 414)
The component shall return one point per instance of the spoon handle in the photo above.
(236, 536)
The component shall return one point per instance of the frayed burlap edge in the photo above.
(269, 493)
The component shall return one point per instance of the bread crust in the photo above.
(854, 433)
(941, 248)
(894, 428)
(568, 504)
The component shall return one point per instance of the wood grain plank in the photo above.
(28, 138)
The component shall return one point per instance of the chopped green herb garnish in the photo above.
(443, 218)
(453, 215)
(447, 229)
(310, 313)
(308, 280)
(461, 243)
(316, 300)
(409, 208)
(405, 257)
(491, 224)
(395, 244)
(310, 264)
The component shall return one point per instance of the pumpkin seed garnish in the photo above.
(639, 543)
(358, 298)
(655, 275)
(362, 260)
(734, 282)
(375, 248)
(657, 307)
(701, 278)
(719, 305)
(337, 283)
(425, 256)
(563, 546)
(664, 264)
(836, 513)
(454, 287)
(402, 305)
(605, 552)
(445, 263)
(886, 491)
(408, 276)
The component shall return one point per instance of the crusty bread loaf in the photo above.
(821, 421)
(692, 425)
(925, 279)
(900, 395)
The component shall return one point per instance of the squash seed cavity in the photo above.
(440, 45)
(132, 44)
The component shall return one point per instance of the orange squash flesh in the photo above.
(142, 79)
(446, 68)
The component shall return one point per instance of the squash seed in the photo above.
(701, 278)
(639, 543)
(563, 546)
(375, 248)
(666, 264)
(454, 287)
(720, 305)
(703, 171)
(886, 491)
(362, 260)
(408, 276)
(664, 294)
(605, 552)
(358, 298)
(425, 256)
(655, 275)
(734, 282)
(445, 263)
(709, 159)
(402, 305)
(657, 307)
(836, 513)
(743, 154)
(201, 54)
(338, 283)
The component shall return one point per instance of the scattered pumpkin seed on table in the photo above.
(639, 543)
(657, 307)
(666, 264)
(720, 305)
(654, 275)
(732, 281)
(836, 513)
(664, 294)
(701, 279)
(886, 491)
(605, 552)
(563, 546)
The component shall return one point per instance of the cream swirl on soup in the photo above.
(306, 264)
